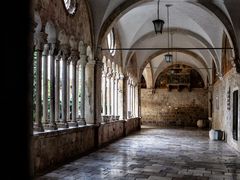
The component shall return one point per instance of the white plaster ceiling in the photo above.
(135, 24)
(203, 19)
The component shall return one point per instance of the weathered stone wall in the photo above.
(110, 131)
(222, 116)
(77, 25)
(166, 109)
(132, 125)
(51, 149)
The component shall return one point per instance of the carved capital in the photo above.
(83, 60)
(98, 64)
(52, 49)
(121, 76)
(64, 51)
(74, 56)
(73, 43)
(39, 40)
(45, 50)
(63, 38)
(82, 48)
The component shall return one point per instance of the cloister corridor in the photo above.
(156, 154)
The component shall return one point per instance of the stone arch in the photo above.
(209, 7)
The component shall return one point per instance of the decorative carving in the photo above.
(45, 50)
(63, 37)
(39, 40)
(82, 48)
(64, 51)
(73, 43)
(38, 22)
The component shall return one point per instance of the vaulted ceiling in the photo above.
(193, 23)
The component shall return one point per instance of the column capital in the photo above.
(121, 76)
(104, 74)
(82, 49)
(64, 51)
(109, 74)
(52, 49)
(63, 38)
(98, 64)
(73, 43)
(91, 62)
(83, 60)
(45, 50)
(39, 40)
(74, 56)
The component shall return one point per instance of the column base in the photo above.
(73, 124)
(105, 118)
(38, 127)
(117, 118)
(51, 126)
(62, 125)
(81, 121)
(112, 118)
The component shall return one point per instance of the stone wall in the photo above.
(77, 25)
(110, 131)
(222, 116)
(52, 149)
(167, 109)
(132, 125)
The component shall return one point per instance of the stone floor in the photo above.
(156, 154)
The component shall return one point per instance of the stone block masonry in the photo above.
(168, 109)
(54, 148)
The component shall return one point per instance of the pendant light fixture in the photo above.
(158, 23)
(168, 57)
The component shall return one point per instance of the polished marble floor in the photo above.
(156, 154)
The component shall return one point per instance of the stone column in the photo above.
(57, 88)
(89, 98)
(68, 89)
(129, 99)
(109, 75)
(113, 95)
(39, 40)
(136, 100)
(97, 103)
(133, 100)
(120, 96)
(83, 62)
(45, 83)
(74, 58)
(52, 125)
(210, 105)
(139, 99)
(52, 39)
(125, 96)
(116, 97)
(65, 54)
(104, 85)
(77, 90)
